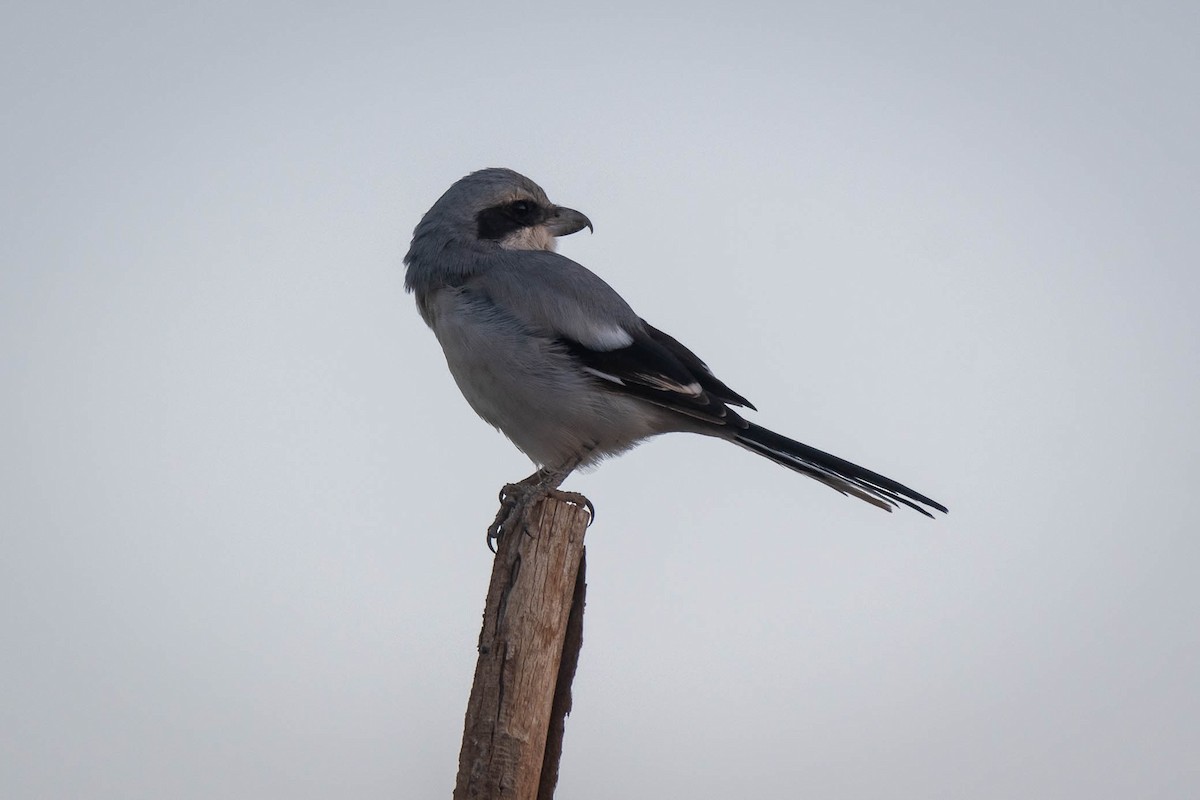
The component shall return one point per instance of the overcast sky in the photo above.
(242, 503)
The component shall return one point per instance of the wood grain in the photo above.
(535, 583)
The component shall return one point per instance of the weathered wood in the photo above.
(562, 691)
(536, 582)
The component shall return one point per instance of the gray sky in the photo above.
(243, 503)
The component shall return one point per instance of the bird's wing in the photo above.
(568, 303)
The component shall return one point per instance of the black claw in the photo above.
(496, 529)
(513, 499)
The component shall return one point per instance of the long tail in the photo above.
(832, 471)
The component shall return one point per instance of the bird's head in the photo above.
(499, 207)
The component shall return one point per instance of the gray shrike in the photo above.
(551, 355)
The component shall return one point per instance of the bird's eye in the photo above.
(521, 208)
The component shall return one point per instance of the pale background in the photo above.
(243, 504)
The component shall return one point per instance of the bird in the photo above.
(544, 350)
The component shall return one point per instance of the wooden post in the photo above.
(522, 689)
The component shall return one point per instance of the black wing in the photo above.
(657, 368)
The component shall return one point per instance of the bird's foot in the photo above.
(516, 499)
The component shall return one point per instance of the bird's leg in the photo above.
(517, 498)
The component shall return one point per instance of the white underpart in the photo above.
(532, 238)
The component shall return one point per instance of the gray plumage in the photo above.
(550, 354)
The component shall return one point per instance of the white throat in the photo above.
(533, 238)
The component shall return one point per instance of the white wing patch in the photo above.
(608, 337)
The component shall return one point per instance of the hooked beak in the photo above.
(565, 221)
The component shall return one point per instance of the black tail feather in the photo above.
(836, 472)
